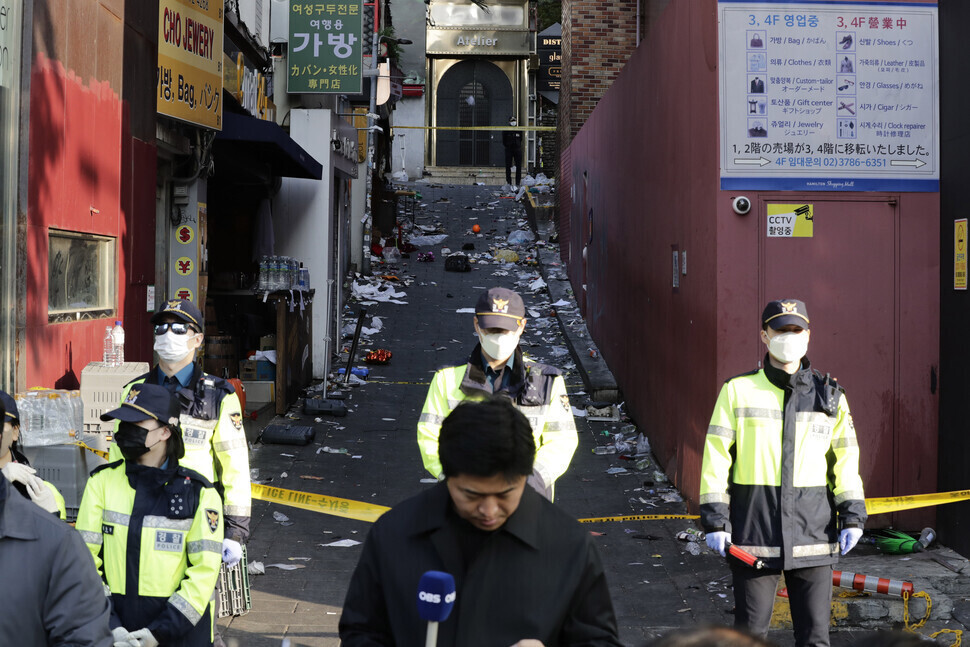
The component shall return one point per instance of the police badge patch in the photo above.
(213, 518)
(236, 419)
(564, 399)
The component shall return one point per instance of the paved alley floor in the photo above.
(657, 582)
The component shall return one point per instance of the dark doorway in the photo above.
(472, 93)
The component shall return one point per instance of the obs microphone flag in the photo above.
(436, 597)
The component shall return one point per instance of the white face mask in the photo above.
(173, 348)
(788, 346)
(513, 123)
(499, 346)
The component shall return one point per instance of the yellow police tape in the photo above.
(897, 503)
(319, 503)
(370, 512)
(519, 128)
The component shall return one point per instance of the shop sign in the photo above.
(249, 86)
(549, 50)
(189, 74)
(829, 96)
(484, 42)
(325, 48)
(960, 254)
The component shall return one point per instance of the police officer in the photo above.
(512, 141)
(497, 367)
(16, 468)
(780, 479)
(155, 528)
(211, 417)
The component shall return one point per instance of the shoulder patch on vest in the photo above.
(747, 374)
(106, 466)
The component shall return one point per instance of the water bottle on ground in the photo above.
(118, 339)
(109, 347)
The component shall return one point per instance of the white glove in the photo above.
(142, 638)
(119, 636)
(36, 488)
(231, 552)
(718, 541)
(848, 538)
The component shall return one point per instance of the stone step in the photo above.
(465, 175)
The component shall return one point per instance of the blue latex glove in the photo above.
(848, 538)
(718, 541)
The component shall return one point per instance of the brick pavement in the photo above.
(656, 584)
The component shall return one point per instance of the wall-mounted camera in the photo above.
(741, 205)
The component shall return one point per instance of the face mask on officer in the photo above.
(788, 347)
(513, 122)
(131, 439)
(174, 347)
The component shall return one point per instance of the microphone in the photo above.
(436, 597)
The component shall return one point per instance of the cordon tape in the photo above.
(361, 511)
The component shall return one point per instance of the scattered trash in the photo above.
(691, 534)
(425, 257)
(602, 411)
(331, 450)
(604, 449)
(659, 476)
(521, 237)
(507, 256)
(672, 497)
(256, 568)
(428, 241)
(283, 475)
(342, 543)
(280, 517)
(693, 548)
(379, 356)
(428, 481)
(286, 567)
(312, 478)
(457, 262)
(616, 470)
(294, 559)
(288, 435)
(393, 255)
(578, 413)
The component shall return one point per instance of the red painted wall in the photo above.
(645, 173)
(75, 164)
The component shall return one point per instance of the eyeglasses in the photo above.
(176, 327)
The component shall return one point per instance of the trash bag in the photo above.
(528, 180)
(521, 237)
(400, 176)
(392, 255)
(457, 263)
(506, 256)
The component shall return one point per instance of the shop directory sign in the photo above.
(824, 96)
(325, 47)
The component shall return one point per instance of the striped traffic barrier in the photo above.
(870, 583)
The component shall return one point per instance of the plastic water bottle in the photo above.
(118, 339)
(109, 347)
(304, 278)
(274, 273)
(263, 283)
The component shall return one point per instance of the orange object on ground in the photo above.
(476, 228)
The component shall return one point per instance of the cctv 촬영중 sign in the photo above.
(790, 220)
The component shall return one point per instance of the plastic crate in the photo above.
(101, 387)
(233, 587)
(67, 468)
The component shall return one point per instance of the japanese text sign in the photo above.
(826, 96)
(189, 74)
(960, 254)
(325, 47)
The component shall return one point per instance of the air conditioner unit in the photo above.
(279, 21)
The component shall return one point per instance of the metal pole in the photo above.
(353, 346)
(369, 181)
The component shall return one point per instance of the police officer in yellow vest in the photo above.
(155, 528)
(780, 479)
(211, 417)
(496, 367)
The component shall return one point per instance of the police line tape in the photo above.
(369, 512)
(519, 128)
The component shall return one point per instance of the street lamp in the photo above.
(372, 72)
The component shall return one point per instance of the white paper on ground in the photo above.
(342, 543)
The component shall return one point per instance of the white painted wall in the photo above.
(302, 223)
(408, 144)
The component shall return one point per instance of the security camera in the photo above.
(741, 205)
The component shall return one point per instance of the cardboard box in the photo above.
(259, 392)
(267, 342)
(262, 369)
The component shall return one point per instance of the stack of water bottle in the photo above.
(282, 273)
(50, 417)
(114, 345)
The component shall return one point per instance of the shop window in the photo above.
(81, 276)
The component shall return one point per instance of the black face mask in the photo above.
(131, 440)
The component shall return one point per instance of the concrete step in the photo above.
(465, 175)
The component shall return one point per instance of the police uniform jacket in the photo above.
(51, 594)
(215, 443)
(156, 536)
(537, 390)
(781, 467)
(538, 576)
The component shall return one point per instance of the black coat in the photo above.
(512, 140)
(538, 576)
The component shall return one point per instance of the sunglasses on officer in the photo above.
(176, 327)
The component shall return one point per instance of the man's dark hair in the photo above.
(486, 438)
(709, 637)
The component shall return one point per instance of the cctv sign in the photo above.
(791, 221)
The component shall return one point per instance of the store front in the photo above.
(477, 70)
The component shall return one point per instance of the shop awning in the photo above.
(267, 142)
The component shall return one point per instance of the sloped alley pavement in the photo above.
(657, 581)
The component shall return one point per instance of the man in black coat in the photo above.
(526, 573)
(512, 140)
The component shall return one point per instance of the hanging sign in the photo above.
(325, 48)
(189, 74)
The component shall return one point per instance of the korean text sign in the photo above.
(829, 96)
(189, 74)
(325, 47)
